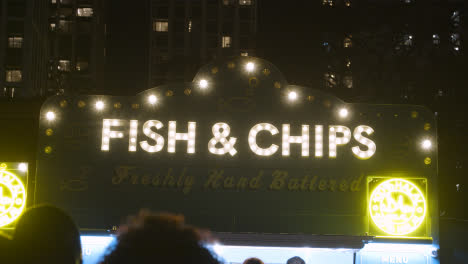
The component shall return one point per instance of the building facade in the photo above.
(77, 32)
(51, 47)
(187, 34)
(23, 49)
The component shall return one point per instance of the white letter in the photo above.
(189, 137)
(107, 134)
(133, 135)
(228, 145)
(334, 140)
(151, 134)
(365, 141)
(304, 140)
(253, 139)
(318, 141)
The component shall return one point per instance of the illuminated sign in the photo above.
(238, 149)
(222, 143)
(397, 207)
(12, 195)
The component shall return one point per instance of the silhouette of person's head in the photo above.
(159, 238)
(46, 234)
(253, 261)
(295, 260)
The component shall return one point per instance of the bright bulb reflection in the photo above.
(23, 167)
(343, 112)
(203, 84)
(50, 116)
(250, 66)
(99, 105)
(292, 96)
(426, 144)
(152, 99)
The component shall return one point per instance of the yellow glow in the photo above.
(426, 144)
(250, 66)
(99, 105)
(292, 96)
(12, 197)
(397, 207)
(50, 116)
(152, 99)
(203, 84)
(343, 112)
(427, 161)
(23, 167)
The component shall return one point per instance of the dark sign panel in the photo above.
(241, 150)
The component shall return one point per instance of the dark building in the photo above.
(23, 48)
(77, 51)
(184, 35)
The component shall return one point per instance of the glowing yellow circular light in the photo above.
(397, 207)
(99, 105)
(23, 167)
(427, 161)
(203, 84)
(63, 103)
(292, 96)
(427, 126)
(426, 144)
(343, 112)
(50, 116)
(49, 132)
(152, 99)
(250, 66)
(12, 197)
(48, 149)
(81, 104)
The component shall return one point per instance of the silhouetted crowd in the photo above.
(46, 234)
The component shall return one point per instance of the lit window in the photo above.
(160, 26)
(84, 12)
(53, 1)
(455, 41)
(348, 81)
(227, 2)
(226, 42)
(435, 39)
(14, 76)
(408, 40)
(330, 80)
(347, 3)
(245, 2)
(52, 26)
(326, 46)
(15, 42)
(81, 65)
(8, 92)
(189, 26)
(64, 65)
(328, 2)
(455, 18)
(245, 54)
(347, 42)
(65, 25)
